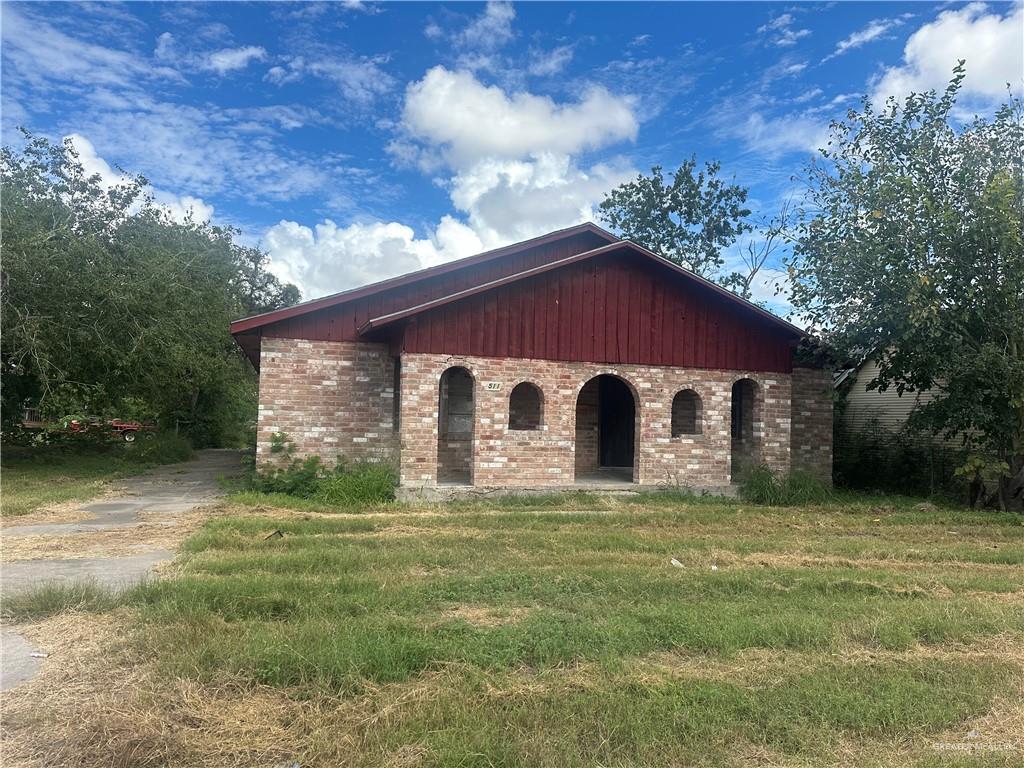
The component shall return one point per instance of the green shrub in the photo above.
(874, 458)
(299, 477)
(310, 478)
(760, 485)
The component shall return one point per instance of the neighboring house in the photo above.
(567, 359)
(871, 409)
(875, 449)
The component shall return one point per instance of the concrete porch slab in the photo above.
(442, 493)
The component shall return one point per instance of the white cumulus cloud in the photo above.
(328, 258)
(990, 41)
(510, 200)
(470, 121)
(513, 168)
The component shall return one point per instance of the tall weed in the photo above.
(760, 485)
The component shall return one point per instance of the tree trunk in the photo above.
(1011, 485)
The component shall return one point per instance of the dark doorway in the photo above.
(605, 430)
(744, 423)
(455, 428)
(617, 425)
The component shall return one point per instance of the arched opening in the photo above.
(746, 417)
(524, 407)
(606, 416)
(455, 428)
(686, 413)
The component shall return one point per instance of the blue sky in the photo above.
(356, 140)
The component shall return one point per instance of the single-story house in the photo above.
(570, 359)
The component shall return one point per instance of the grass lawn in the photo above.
(33, 479)
(40, 477)
(496, 634)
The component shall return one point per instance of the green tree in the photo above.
(693, 219)
(688, 219)
(109, 305)
(257, 289)
(910, 248)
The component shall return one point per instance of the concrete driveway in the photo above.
(166, 491)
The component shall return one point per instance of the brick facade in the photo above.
(334, 399)
(553, 454)
(812, 421)
(586, 431)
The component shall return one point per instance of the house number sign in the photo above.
(492, 386)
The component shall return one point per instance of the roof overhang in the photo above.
(266, 318)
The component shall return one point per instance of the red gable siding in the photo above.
(342, 321)
(615, 308)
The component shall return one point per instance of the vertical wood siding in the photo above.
(612, 309)
(617, 308)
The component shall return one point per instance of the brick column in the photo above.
(812, 411)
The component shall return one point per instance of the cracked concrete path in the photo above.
(165, 491)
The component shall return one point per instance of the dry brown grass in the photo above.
(484, 615)
(798, 560)
(63, 512)
(98, 702)
(998, 736)
(154, 532)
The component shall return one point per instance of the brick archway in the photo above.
(746, 426)
(607, 428)
(456, 417)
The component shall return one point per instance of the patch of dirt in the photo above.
(483, 615)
